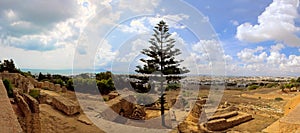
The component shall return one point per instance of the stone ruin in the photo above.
(9, 121)
(225, 119)
(123, 107)
(65, 105)
(29, 106)
(28, 83)
(138, 113)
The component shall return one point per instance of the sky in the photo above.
(232, 37)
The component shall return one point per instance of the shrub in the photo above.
(8, 87)
(289, 86)
(34, 93)
(252, 87)
(278, 99)
(173, 86)
(270, 85)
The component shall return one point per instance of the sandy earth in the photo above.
(53, 121)
(260, 103)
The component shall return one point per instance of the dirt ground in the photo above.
(260, 103)
(53, 121)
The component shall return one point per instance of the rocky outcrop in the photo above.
(65, 105)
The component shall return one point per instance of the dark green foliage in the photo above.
(41, 77)
(57, 79)
(293, 81)
(298, 80)
(70, 85)
(252, 87)
(161, 58)
(289, 86)
(278, 99)
(105, 86)
(104, 75)
(34, 93)
(173, 86)
(270, 85)
(8, 65)
(8, 87)
(161, 55)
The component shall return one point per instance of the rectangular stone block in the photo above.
(65, 105)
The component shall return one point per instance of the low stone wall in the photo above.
(8, 120)
(30, 108)
(225, 116)
(28, 83)
(223, 123)
(65, 105)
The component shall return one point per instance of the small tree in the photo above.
(160, 64)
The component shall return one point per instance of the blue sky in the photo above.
(236, 37)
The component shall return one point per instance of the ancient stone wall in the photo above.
(8, 120)
(30, 108)
(28, 83)
(65, 105)
(226, 121)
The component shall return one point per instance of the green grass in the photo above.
(34, 93)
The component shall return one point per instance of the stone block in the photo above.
(57, 88)
(65, 105)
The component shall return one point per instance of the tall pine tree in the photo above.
(160, 63)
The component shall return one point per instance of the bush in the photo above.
(8, 87)
(278, 99)
(252, 87)
(289, 86)
(105, 86)
(34, 93)
(173, 86)
(70, 85)
(270, 85)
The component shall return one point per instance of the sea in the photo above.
(66, 72)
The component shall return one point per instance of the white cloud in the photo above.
(276, 23)
(104, 54)
(276, 58)
(258, 62)
(211, 49)
(55, 59)
(135, 26)
(139, 6)
(251, 56)
(10, 14)
(145, 24)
